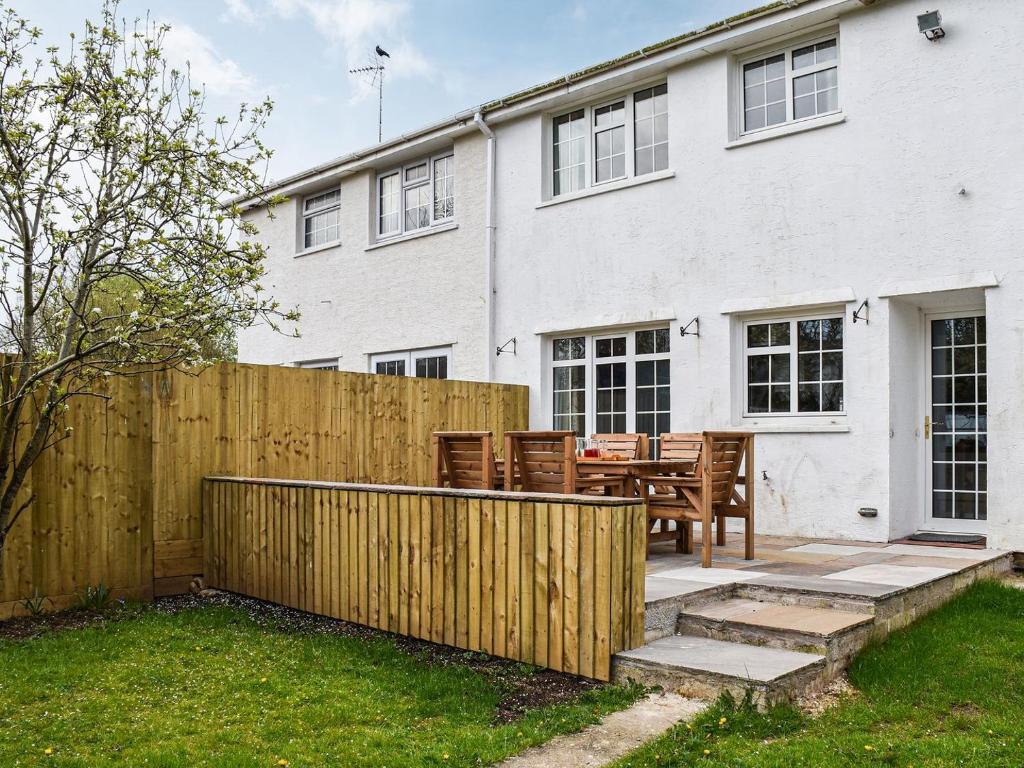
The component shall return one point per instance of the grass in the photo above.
(211, 687)
(947, 691)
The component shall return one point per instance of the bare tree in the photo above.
(117, 253)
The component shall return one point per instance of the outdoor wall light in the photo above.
(867, 512)
(930, 25)
(694, 324)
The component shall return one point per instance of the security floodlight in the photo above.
(930, 25)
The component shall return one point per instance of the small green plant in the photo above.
(35, 604)
(93, 598)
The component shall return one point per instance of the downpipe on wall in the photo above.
(489, 266)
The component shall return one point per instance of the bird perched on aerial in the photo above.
(382, 52)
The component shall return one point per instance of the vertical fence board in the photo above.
(558, 584)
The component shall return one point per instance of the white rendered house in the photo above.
(806, 222)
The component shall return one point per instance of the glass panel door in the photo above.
(958, 393)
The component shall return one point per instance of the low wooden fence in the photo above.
(556, 581)
(119, 501)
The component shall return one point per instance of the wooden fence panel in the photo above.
(120, 500)
(440, 565)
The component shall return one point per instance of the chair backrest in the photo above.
(463, 460)
(543, 462)
(723, 454)
(681, 446)
(627, 445)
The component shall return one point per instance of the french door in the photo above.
(956, 425)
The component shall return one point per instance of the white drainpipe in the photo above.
(485, 129)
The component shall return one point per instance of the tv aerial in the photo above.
(374, 73)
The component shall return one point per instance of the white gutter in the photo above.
(489, 260)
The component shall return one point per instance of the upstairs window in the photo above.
(610, 141)
(794, 84)
(416, 197)
(320, 219)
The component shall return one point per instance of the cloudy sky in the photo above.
(446, 55)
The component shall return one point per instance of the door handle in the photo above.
(927, 427)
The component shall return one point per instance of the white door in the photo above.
(956, 423)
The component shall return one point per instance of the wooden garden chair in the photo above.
(714, 493)
(465, 460)
(627, 445)
(545, 462)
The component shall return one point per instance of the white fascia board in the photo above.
(816, 298)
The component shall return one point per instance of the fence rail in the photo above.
(555, 581)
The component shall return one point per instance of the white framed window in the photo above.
(320, 219)
(650, 129)
(793, 366)
(432, 363)
(328, 364)
(795, 83)
(416, 196)
(610, 140)
(612, 383)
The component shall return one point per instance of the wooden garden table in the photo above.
(634, 468)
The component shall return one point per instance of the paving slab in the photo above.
(710, 575)
(659, 588)
(756, 663)
(616, 735)
(953, 553)
(839, 550)
(934, 562)
(812, 621)
(825, 585)
(896, 575)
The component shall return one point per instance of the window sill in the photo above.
(790, 428)
(318, 249)
(610, 186)
(788, 129)
(412, 236)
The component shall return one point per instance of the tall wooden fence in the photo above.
(119, 501)
(556, 581)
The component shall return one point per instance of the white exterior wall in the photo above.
(426, 291)
(852, 208)
(863, 204)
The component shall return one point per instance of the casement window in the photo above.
(416, 196)
(793, 84)
(609, 141)
(434, 363)
(320, 219)
(793, 366)
(610, 383)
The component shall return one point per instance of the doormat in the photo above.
(961, 539)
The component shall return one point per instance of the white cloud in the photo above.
(239, 10)
(185, 47)
(356, 26)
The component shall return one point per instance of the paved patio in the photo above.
(867, 569)
(792, 619)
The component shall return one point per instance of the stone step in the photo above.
(832, 633)
(703, 667)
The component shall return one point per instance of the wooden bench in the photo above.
(465, 460)
(545, 462)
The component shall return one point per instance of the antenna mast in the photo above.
(375, 73)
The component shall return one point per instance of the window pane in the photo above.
(757, 335)
(780, 399)
(568, 153)
(780, 368)
(757, 399)
(324, 200)
(573, 348)
(779, 334)
(388, 205)
(416, 172)
(661, 338)
(757, 369)
(444, 188)
(417, 207)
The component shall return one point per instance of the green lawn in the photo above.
(948, 691)
(212, 687)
